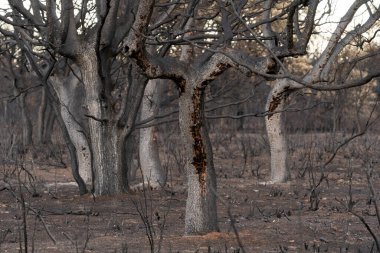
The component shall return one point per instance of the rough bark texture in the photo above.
(105, 140)
(54, 101)
(276, 131)
(111, 105)
(67, 92)
(148, 149)
(73, 155)
(201, 213)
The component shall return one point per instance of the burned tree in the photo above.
(90, 37)
(294, 42)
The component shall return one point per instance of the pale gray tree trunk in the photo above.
(275, 125)
(201, 212)
(276, 131)
(67, 92)
(148, 149)
(71, 147)
(105, 143)
(53, 87)
(108, 126)
(95, 52)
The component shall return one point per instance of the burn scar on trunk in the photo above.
(276, 101)
(199, 158)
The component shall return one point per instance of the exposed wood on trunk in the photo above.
(199, 159)
(276, 100)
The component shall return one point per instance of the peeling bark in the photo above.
(201, 212)
(199, 158)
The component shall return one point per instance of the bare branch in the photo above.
(332, 46)
(70, 42)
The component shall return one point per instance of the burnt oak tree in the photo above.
(90, 35)
(322, 71)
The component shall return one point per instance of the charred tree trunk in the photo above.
(148, 149)
(201, 212)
